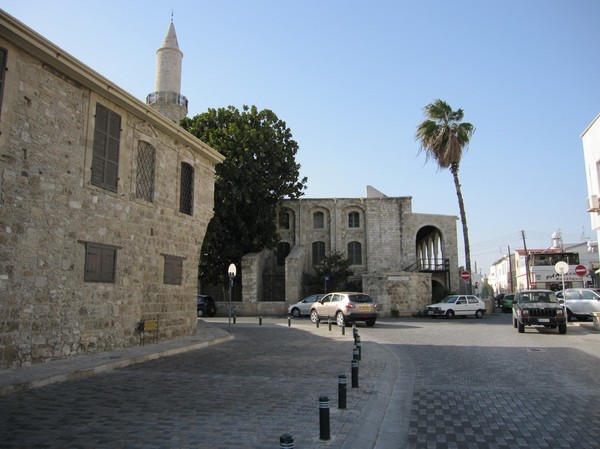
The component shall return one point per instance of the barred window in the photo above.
(173, 270)
(186, 194)
(355, 253)
(146, 162)
(318, 252)
(353, 220)
(100, 262)
(105, 158)
(283, 249)
(318, 220)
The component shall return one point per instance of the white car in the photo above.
(457, 305)
(580, 303)
(303, 307)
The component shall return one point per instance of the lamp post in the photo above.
(231, 271)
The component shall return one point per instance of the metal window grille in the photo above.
(186, 195)
(146, 162)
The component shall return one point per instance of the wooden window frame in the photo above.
(100, 262)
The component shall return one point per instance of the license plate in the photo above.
(544, 320)
(364, 308)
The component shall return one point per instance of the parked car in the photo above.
(538, 308)
(498, 299)
(206, 306)
(345, 307)
(579, 303)
(457, 305)
(303, 307)
(507, 302)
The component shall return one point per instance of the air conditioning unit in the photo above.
(592, 203)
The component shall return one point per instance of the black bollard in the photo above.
(342, 385)
(359, 350)
(355, 353)
(356, 337)
(234, 318)
(289, 321)
(324, 418)
(260, 320)
(286, 441)
(343, 329)
(329, 323)
(354, 373)
(317, 322)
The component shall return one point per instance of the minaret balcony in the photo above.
(167, 98)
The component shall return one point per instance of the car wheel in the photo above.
(296, 312)
(521, 327)
(569, 315)
(370, 323)
(479, 313)
(562, 328)
(339, 319)
(314, 316)
(199, 313)
(450, 314)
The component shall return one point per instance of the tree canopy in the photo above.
(259, 170)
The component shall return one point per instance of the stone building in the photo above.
(401, 257)
(104, 203)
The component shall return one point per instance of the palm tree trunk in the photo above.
(463, 219)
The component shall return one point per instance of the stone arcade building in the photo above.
(401, 256)
(104, 203)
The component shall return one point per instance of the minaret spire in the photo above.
(167, 98)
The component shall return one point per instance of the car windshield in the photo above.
(360, 298)
(538, 297)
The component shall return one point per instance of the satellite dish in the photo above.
(561, 267)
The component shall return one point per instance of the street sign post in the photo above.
(465, 275)
(580, 270)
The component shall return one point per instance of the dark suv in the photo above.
(206, 306)
(538, 308)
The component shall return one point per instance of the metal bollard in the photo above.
(286, 441)
(343, 329)
(329, 323)
(355, 353)
(260, 320)
(234, 318)
(324, 418)
(354, 373)
(359, 348)
(289, 321)
(356, 337)
(342, 386)
(317, 323)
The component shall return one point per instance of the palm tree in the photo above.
(443, 136)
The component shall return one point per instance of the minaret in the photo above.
(167, 98)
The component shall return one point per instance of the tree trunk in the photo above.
(463, 219)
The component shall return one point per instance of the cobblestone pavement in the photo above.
(424, 383)
(246, 392)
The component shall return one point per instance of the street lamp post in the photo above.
(231, 271)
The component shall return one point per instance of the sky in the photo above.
(351, 78)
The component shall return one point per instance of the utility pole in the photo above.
(510, 273)
(526, 258)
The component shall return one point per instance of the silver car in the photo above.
(580, 303)
(303, 307)
(345, 307)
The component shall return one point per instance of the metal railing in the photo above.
(167, 98)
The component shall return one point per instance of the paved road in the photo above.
(462, 383)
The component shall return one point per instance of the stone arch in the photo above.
(430, 249)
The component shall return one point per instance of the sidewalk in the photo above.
(40, 374)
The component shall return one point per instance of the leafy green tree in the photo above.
(337, 268)
(259, 170)
(444, 137)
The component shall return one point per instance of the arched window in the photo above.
(318, 252)
(283, 249)
(354, 220)
(318, 220)
(186, 193)
(355, 253)
(284, 219)
(144, 179)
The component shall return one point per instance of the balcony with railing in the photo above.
(167, 98)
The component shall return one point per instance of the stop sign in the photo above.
(465, 275)
(580, 270)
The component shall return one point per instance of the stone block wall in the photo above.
(49, 210)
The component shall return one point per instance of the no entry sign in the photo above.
(580, 270)
(465, 275)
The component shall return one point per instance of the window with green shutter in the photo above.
(105, 158)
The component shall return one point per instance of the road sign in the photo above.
(465, 275)
(580, 270)
(561, 267)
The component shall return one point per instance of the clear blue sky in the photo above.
(350, 78)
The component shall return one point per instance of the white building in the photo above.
(591, 154)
